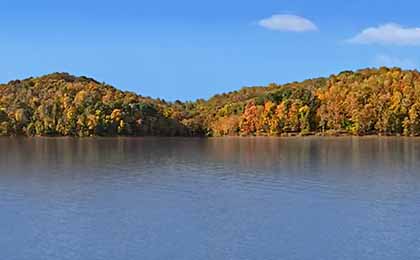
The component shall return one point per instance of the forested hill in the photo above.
(369, 101)
(63, 105)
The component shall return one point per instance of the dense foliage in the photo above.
(63, 105)
(369, 101)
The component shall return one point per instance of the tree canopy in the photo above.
(63, 105)
(369, 101)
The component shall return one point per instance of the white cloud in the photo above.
(391, 33)
(389, 61)
(285, 22)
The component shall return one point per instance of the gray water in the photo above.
(231, 198)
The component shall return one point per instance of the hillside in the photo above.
(63, 105)
(369, 101)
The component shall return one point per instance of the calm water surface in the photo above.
(232, 198)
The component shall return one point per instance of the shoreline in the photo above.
(284, 136)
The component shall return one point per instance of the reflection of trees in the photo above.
(265, 155)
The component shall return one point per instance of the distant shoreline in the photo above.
(285, 136)
(382, 102)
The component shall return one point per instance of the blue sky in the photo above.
(189, 49)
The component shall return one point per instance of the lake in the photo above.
(227, 198)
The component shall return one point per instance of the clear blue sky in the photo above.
(188, 49)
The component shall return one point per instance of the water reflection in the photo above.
(230, 198)
(295, 154)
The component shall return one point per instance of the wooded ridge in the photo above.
(369, 101)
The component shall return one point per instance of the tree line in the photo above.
(60, 104)
(382, 101)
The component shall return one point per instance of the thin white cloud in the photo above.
(285, 22)
(391, 33)
(390, 61)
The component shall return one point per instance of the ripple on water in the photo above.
(233, 198)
